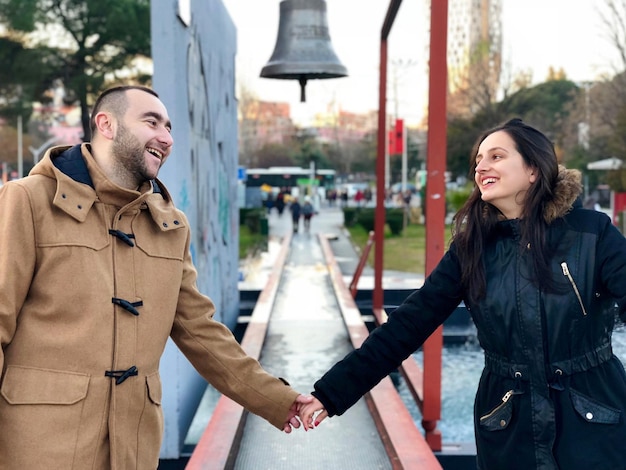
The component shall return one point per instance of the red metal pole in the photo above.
(435, 207)
(379, 217)
(354, 285)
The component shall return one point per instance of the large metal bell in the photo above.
(303, 50)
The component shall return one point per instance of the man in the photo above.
(295, 209)
(95, 275)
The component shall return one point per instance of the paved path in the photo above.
(306, 335)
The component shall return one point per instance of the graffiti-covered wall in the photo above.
(193, 49)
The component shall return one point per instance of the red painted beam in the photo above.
(379, 217)
(354, 285)
(435, 206)
(403, 441)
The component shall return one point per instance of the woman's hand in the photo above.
(308, 415)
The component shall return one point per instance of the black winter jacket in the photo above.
(552, 395)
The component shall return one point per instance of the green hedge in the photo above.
(350, 216)
(395, 220)
(365, 217)
(254, 218)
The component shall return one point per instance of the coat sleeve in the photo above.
(215, 353)
(611, 255)
(17, 258)
(391, 343)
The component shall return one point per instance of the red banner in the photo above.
(396, 138)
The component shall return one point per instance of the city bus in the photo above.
(289, 177)
(263, 184)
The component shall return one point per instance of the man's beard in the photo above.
(128, 153)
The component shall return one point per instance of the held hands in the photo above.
(309, 410)
(308, 413)
(292, 416)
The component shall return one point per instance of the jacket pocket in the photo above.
(151, 425)
(45, 407)
(499, 418)
(32, 386)
(593, 411)
(153, 382)
(570, 278)
(168, 245)
(67, 232)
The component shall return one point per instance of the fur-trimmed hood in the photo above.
(568, 189)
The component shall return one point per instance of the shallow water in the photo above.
(462, 366)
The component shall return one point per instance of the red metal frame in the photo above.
(435, 194)
(405, 446)
(362, 262)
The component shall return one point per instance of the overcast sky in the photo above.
(537, 34)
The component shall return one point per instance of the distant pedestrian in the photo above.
(331, 197)
(296, 211)
(367, 194)
(307, 212)
(269, 202)
(358, 197)
(280, 201)
(344, 198)
(406, 198)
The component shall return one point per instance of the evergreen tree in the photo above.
(82, 42)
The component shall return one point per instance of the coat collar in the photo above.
(81, 182)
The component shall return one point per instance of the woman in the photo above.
(543, 279)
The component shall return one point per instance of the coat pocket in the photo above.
(499, 418)
(32, 386)
(151, 425)
(593, 411)
(168, 245)
(153, 383)
(45, 407)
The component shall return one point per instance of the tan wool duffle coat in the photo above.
(85, 316)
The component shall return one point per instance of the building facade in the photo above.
(474, 54)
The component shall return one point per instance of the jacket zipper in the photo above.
(507, 396)
(571, 281)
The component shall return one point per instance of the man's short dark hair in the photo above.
(114, 100)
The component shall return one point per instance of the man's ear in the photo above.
(105, 124)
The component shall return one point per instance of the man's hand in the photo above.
(292, 418)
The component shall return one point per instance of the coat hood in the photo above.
(567, 191)
(68, 165)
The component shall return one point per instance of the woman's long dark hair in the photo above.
(475, 221)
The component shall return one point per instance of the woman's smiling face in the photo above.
(501, 174)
